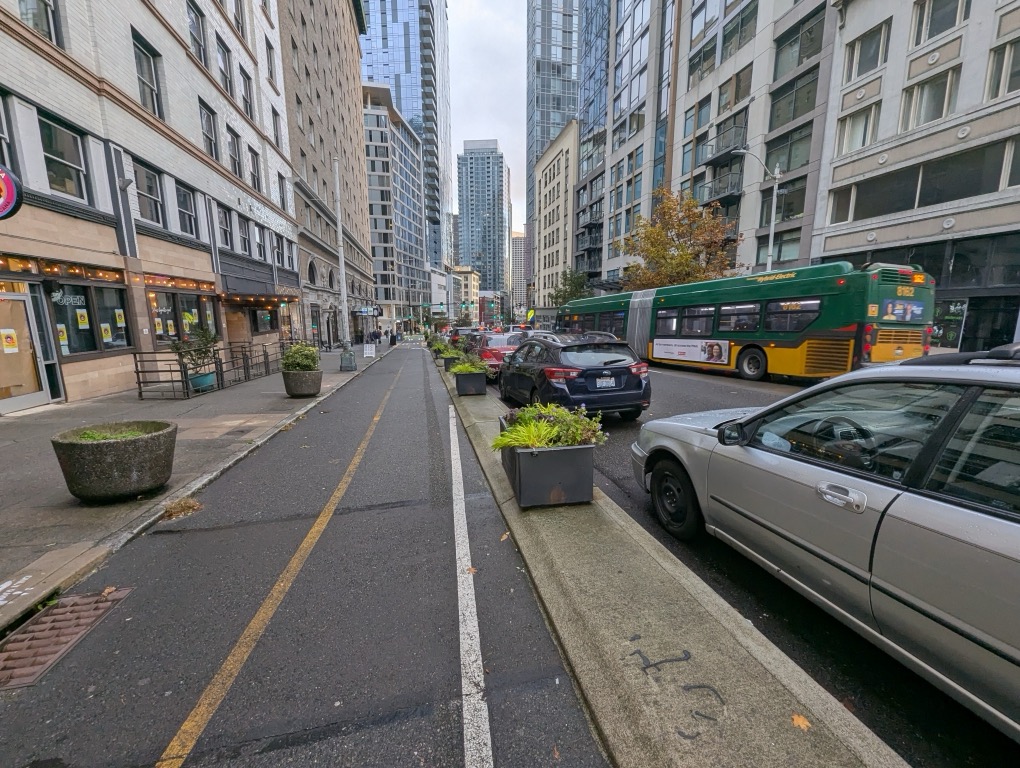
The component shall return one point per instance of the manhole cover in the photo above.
(38, 644)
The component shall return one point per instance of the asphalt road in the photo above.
(236, 652)
(926, 727)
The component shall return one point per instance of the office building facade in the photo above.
(484, 215)
(554, 212)
(519, 272)
(407, 48)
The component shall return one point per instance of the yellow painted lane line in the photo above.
(195, 724)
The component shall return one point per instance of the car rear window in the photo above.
(597, 354)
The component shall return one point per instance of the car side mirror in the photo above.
(732, 434)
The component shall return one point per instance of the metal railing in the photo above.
(166, 375)
(724, 142)
(723, 186)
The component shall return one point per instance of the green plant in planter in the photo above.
(549, 426)
(470, 364)
(199, 350)
(300, 357)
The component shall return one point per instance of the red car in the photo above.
(493, 346)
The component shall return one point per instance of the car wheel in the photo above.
(534, 399)
(631, 415)
(675, 502)
(752, 365)
(503, 394)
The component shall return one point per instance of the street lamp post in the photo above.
(777, 175)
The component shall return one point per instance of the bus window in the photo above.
(588, 322)
(697, 321)
(739, 317)
(665, 322)
(791, 314)
(614, 323)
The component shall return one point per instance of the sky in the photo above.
(488, 84)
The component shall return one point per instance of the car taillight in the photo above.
(487, 354)
(560, 375)
(639, 369)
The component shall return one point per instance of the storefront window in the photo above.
(191, 318)
(111, 313)
(75, 320)
(161, 310)
(263, 320)
(208, 314)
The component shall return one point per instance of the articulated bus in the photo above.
(812, 322)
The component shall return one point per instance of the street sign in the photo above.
(369, 351)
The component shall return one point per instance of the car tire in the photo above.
(752, 365)
(503, 394)
(676, 504)
(633, 415)
(534, 398)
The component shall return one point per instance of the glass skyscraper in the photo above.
(483, 194)
(407, 47)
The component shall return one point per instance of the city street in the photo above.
(234, 650)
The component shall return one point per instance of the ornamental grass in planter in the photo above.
(302, 376)
(470, 375)
(197, 354)
(548, 454)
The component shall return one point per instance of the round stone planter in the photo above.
(302, 383)
(100, 471)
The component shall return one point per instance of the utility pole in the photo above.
(347, 360)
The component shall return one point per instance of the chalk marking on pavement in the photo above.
(477, 734)
(195, 724)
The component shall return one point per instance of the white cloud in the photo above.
(488, 83)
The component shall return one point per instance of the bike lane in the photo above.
(358, 663)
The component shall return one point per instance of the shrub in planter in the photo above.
(451, 358)
(107, 462)
(548, 453)
(198, 353)
(302, 376)
(470, 375)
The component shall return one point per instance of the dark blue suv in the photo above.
(600, 373)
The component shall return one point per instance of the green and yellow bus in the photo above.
(812, 322)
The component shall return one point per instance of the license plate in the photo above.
(605, 382)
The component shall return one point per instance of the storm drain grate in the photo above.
(37, 645)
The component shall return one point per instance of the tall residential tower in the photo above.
(483, 179)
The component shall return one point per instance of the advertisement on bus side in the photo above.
(692, 350)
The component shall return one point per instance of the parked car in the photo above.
(493, 347)
(456, 333)
(600, 374)
(888, 496)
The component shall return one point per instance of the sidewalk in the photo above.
(670, 673)
(48, 539)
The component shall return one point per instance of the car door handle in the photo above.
(842, 496)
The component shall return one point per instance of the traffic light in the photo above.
(442, 307)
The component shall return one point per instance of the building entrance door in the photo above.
(21, 365)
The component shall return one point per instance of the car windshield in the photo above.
(597, 354)
(505, 340)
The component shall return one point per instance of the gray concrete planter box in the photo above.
(449, 362)
(470, 383)
(99, 471)
(549, 477)
(302, 383)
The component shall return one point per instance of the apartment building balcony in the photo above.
(590, 241)
(719, 150)
(590, 216)
(727, 187)
(591, 263)
(731, 225)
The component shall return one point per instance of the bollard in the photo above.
(348, 362)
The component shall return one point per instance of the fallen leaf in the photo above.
(801, 722)
(108, 591)
(505, 536)
(848, 703)
(471, 569)
(556, 753)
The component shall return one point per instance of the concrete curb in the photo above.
(48, 580)
(638, 714)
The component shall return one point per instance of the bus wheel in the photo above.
(751, 364)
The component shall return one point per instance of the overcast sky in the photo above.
(488, 83)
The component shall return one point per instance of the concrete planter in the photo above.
(549, 477)
(98, 471)
(449, 362)
(470, 383)
(302, 383)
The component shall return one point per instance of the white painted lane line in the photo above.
(477, 734)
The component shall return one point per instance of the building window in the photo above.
(793, 100)
(196, 33)
(786, 248)
(703, 15)
(281, 181)
(41, 16)
(5, 150)
(244, 235)
(933, 17)
(868, 52)
(247, 99)
(76, 320)
(186, 210)
(740, 31)
(256, 169)
(223, 64)
(260, 243)
(790, 151)
(64, 158)
(277, 128)
(150, 195)
(148, 82)
(210, 142)
(701, 64)
(735, 90)
(270, 62)
(790, 204)
(225, 227)
(238, 17)
(278, 249)
(1004, 74)
(234, 153)
(858, 129)
(689, 122)
(929, 100)
(800, 43)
